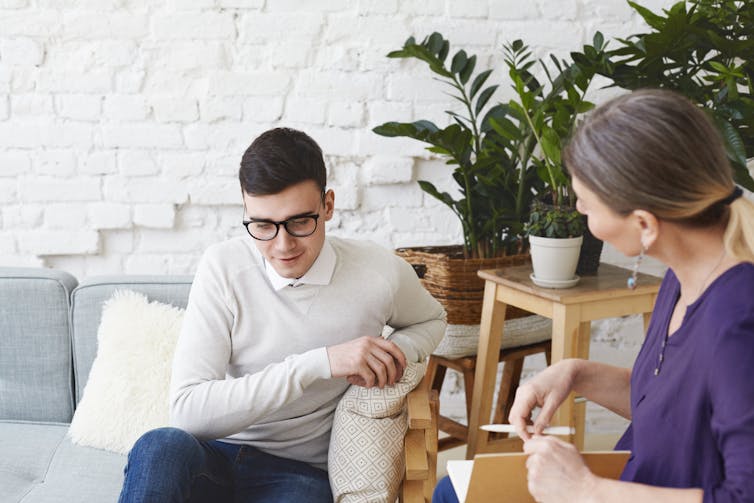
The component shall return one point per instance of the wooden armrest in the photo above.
(420, 445)
(419, 411)
(417, 465)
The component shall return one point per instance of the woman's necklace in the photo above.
(661, 356)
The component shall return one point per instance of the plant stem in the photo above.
(467, 183)
(548, 164)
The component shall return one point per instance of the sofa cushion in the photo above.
(39, 464)
(87, 300)
(26, 450)
(35, 345)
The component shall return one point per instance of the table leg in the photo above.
(582, 351)
(647, 317)
(490, 335)
(566, 335)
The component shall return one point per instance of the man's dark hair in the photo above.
(278, 159)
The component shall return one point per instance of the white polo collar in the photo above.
(320, 273)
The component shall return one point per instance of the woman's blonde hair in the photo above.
(657, 151)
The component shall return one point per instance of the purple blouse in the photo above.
(693, 423)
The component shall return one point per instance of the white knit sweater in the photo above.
(251, 364)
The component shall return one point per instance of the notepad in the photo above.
(489, 477)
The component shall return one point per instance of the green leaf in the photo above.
(443, 54)
(430, 189)
(652, 19)
(459, 61)
(484, 97)
(733, 142)
(551, 145)
(468, 69)
(598, 41)
(435, 43)
(719, 67)
(479, 81)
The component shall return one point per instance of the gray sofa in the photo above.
(48, 341)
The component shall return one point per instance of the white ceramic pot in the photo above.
(554, 261)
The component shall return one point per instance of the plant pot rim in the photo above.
(563, 241)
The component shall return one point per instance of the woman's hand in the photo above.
(556, 471)
(547, 390)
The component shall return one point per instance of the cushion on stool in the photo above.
(463, 340)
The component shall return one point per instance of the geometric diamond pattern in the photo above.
(365, 460)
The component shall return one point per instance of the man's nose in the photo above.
(284, 241)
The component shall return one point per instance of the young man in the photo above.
(278, 323)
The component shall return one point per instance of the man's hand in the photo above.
(367, 361)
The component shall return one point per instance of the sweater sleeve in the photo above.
(732, 396)
(204, 401)
(416, 316)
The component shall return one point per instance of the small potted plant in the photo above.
(554, 227)
(555, 237)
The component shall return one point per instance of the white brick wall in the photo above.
(122, 122)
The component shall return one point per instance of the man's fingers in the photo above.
(375, 360)
(379, 368)
(393, 349)
(389, 363)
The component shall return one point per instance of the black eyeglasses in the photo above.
(266, 230)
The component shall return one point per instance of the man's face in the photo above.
(290, 256)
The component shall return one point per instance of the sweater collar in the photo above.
(320, 273)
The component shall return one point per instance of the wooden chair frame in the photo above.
(420, 477)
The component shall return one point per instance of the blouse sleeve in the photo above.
(731, 383)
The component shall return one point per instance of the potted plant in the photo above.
(555, 236)
(548, 114)
(702, 49)
(498, 164)
(495, 189)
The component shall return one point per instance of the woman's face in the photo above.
(622, 232)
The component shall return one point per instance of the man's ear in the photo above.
(329, 204)
(649, 227)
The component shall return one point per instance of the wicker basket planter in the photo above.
(453, 281)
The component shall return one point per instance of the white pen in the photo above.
(549, 430)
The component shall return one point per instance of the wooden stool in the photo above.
(513, 364)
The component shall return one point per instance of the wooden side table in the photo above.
(595, 297)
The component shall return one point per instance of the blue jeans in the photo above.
(444, 492)
(170, 465)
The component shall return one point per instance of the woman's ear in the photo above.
(649, 227)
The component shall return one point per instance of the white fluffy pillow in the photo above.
(127, 391)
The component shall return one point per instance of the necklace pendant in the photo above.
(631, 283)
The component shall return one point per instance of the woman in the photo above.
(651, 173)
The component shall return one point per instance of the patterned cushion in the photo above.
(463, 340)
(366, 462)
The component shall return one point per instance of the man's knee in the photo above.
(161, 443)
